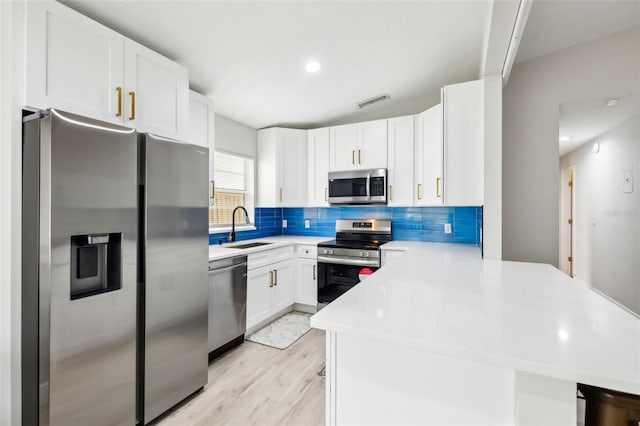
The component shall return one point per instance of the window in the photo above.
(234, 182)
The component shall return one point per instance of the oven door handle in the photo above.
(348, 261)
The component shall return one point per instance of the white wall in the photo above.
(235, 137)
(530, 200)
(11, 81)
(607, 221)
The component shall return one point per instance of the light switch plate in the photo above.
(447, 228)
(284, 223)
(307, 223)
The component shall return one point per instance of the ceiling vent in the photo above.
(372, 101)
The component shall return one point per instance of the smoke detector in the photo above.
(369, 102)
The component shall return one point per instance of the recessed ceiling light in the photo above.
(612, 102)
(312, 66)
(596, 148)
(564, 138)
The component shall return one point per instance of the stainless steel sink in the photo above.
(249, 245)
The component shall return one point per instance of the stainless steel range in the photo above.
(354, 254)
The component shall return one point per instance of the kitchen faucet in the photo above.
(232, 235)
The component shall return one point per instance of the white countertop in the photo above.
(225, 250)
(531, 317)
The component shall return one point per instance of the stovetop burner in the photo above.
(360, 234)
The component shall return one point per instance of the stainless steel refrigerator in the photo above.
(114, 272)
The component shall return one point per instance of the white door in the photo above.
(343, 141)
(292, 168)
(463, 111)
(282, 296)
(156, 93)
(372, 145)
(318, 167)
(306, 285)
(400, 166)
(428, 158)
(73, 63)
(259, 285)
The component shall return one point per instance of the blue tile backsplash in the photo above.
(408, 223)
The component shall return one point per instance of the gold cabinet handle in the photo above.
(438, 188)
(119, 90)
(353, 157)
(314, 272)
(212, 192)
(280, 194)
(270, 279)
(419, 188)
(133, 105)
(326, 194)
(275, 280)
(390, 192)
(359, 157)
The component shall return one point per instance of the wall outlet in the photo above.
(284, 223)
(447, 228)
(307, 224)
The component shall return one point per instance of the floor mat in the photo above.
(282, 332)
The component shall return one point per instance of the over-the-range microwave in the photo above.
(358, 187)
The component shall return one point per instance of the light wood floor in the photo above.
(255, 384)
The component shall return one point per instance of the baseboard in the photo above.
(301, 307)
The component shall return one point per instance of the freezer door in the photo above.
(176, 254)
(88, 193)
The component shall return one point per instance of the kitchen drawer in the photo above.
(267, 257)
(307, 251)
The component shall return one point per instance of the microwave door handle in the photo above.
(368, 186)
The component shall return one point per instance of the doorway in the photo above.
(567, 220)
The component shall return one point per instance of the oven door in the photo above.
(335, 279)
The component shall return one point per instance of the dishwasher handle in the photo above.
(228, 268)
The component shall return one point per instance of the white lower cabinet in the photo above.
(306, 283)
(269, 290)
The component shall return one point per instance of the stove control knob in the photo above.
(330, 251)
(366, 254)
(324, 251)
(361, 254)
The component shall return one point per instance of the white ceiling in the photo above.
(585, 121)
(554, 25)
(250, 55)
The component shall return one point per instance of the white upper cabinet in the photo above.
(372, 145)
(72, 63)
(400, 167)
(358, 146)
(157, 92)
(76, 64)
(428, 185)
(463, 110)
(282, 167)
(318, 167)
(202, 129)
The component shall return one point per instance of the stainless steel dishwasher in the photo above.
(227, 303)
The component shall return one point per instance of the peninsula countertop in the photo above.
(445, 299)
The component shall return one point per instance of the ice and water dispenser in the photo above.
(96, 264)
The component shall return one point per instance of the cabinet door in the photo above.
(372, 145)
(258, 295)
(72, 62)
(292, 168)
(282, 292)
(318, 167)
(202, 128)
(161, 90)
(306, 285)
(343, 143)
(399, 153)
(463, 109)
(428, 158)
